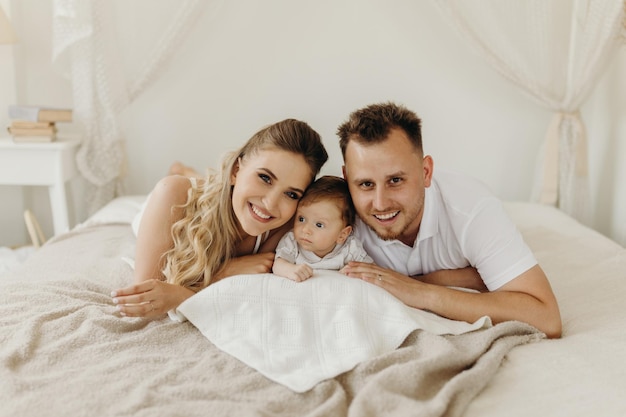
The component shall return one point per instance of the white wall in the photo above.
(252, 63)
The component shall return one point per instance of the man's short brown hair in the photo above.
(373, 123)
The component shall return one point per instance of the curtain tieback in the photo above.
(565, 145)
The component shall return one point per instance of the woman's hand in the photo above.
(151, 298)
(467, 277)
(260, 263)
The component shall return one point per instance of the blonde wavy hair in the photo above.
(207, 234)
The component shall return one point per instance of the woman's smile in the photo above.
(259, 213)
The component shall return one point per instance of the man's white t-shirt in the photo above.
(463, 224)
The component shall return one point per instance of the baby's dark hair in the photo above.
(330, 187)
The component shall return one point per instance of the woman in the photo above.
(194, 232)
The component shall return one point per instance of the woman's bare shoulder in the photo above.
(172, 189)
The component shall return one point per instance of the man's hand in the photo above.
(404, 288)
(526, 298)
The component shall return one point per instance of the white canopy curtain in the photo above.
(86, 51)
(553, 50)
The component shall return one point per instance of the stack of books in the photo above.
(36, 123)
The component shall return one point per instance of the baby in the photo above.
(321, 237)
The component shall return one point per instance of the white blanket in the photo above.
(298, 334)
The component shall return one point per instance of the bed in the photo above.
(65, 351)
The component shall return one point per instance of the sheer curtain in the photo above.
(86, 51)
(554, 51)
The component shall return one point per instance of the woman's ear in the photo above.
(234, 170)
(343, 235)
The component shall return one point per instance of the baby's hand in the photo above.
(301, 273)
(294, 272)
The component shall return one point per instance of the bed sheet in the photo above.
(584, 372)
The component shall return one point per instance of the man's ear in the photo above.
(343, 172)
(343, 235)
(234, 170)
(428, 165)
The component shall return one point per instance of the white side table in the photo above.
(48, 164)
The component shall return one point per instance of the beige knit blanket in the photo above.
(64, 351)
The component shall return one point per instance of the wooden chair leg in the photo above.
(34, 230)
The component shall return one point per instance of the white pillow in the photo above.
(299, 334)
(119, 210)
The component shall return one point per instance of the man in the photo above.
(431, 233)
